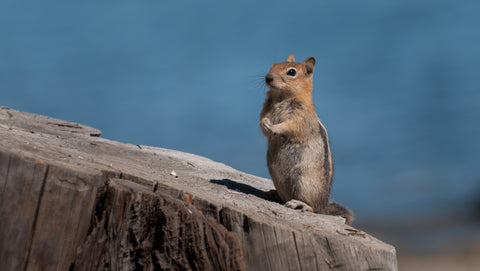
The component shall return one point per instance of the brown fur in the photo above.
(298, 157)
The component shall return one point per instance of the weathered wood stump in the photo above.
(70, 200)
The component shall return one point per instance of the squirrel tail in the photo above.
(334, 208)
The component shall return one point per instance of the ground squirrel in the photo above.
(298, 157)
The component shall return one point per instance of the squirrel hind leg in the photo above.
(334, 208)
(299, 205)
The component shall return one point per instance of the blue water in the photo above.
(396, 85)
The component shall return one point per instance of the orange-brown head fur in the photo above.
(290, 77)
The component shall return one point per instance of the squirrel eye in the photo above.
(291, 72)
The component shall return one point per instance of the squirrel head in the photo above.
(290, 76)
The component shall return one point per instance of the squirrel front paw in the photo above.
(266, 125)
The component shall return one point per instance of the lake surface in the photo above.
(396, 84)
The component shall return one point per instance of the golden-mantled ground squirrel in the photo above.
(298, 157)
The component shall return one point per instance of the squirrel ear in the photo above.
(309, 65)
(291, 58)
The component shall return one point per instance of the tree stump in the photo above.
(70, 200)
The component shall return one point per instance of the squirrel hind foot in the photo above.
(332, 208)
(299, 205)
(336, 209)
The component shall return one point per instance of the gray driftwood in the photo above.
(70, 200)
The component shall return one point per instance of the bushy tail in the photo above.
(334, 208)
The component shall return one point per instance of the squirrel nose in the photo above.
(268, 78)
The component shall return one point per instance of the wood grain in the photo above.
(70, 200)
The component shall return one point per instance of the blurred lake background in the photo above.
(396, 84)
